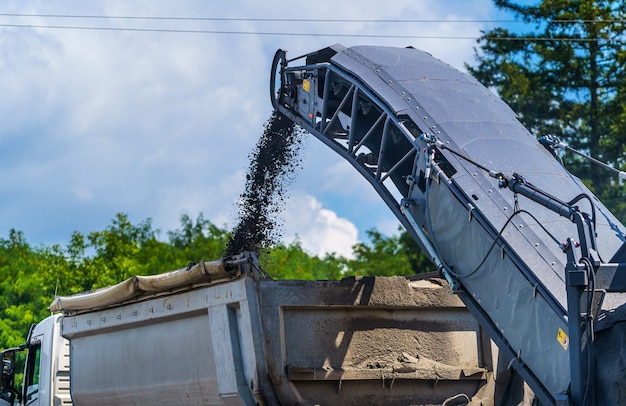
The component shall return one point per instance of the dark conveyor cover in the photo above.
(426, 136)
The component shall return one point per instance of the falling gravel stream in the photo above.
(272, 168)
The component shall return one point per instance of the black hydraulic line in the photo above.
(518, 185)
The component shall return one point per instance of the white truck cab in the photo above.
(46, 371)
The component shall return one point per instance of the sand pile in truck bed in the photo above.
(272, 168)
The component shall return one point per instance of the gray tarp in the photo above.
(136, 286)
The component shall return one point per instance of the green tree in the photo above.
(123, 249)
(30, 277)
(24, 295)
(387, 256)
(102, 258)
(420, 263)
(292, 262)
(199, 240)
(565, 76)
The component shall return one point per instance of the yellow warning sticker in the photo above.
(562, 338)
(306, 85)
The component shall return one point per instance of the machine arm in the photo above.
(423, 134)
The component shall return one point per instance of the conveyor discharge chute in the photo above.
(529, 249)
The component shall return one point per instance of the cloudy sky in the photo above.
(157, 123)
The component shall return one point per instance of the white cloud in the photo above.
(318, 229)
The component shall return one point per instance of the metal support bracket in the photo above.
(576, 282)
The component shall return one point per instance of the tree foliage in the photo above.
(387, 256)
(31, 276)
(566, 77)
(292, 262)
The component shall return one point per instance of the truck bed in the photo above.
(371, 340)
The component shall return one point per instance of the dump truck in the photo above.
(223, 333)
(535, 256)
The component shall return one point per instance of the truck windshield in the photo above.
(32, 374)
(8, 376)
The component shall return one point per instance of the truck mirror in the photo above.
(7, 388)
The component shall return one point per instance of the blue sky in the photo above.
(160, 124)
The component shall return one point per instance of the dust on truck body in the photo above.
(219, 333)
(535, 256)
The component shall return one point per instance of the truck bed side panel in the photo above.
(374, 341)
(176, 348)
(358, 341)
